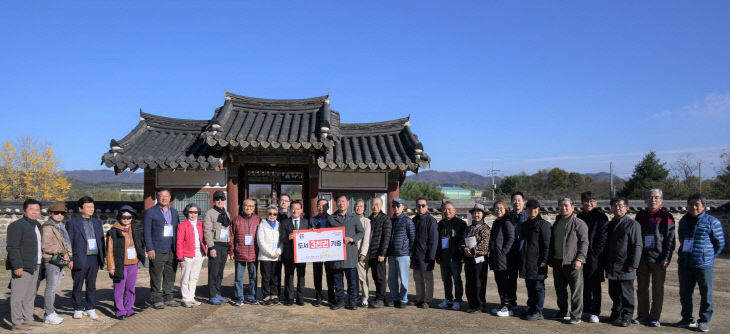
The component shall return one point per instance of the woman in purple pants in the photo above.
(123, 252)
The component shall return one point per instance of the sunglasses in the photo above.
(126, 217)
(395, 205)
(220, 199)
(193, 212)
(58, 213)
(422, 205)
(272, 214)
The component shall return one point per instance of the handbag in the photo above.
(57, 259)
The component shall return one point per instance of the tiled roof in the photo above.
(246, 123)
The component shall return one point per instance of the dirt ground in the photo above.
(278, 319)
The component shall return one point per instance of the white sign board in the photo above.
(325, 244)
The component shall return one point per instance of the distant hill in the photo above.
(455, 178)
(602, 176)
(104, 176)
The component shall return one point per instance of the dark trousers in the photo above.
(377, 270)
(622, 295)
(506, 286)
(337, 280)
(592, 295)
(535, 295)
(162, 277)
(563, 277)
(476, 283)
(317, 268)
(215, 268)
(688, 278)
(86, 274)
(289, 268)
(270, 278)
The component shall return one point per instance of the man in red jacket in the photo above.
(243, 250)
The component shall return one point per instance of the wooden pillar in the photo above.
(149, 189)
(233, 191)
(313, 190)
(393, 188)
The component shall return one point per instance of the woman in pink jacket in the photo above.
(190, 251)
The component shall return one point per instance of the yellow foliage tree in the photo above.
(30, 171)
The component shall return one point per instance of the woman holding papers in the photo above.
(475, 247)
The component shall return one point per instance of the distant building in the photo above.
(456, 193)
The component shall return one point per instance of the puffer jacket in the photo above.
(708, 241)
(659, 225)
(381, 228)
(404, 234)
(502, 237)
(623, 248)
(240, 228)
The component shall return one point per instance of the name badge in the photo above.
(522, 244)
(92, 244)
(479, 259)
(131, 253)
(224, 234)
(167, 232)
(687, 246)
(649, 241)
(248, 240)
(444, 242)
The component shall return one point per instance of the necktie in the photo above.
(296, 224)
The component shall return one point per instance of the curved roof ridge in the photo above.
(318, 99)
(170, 123)
(392, 122)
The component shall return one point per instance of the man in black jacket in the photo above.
(24, 259)
(288, 226)
(597, 222)
(423, 254)
(451, 232)
(380, 231)
(623, 252)
(534, 249)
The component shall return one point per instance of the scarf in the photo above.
(222, 216)
(272, 224)
(60, 227)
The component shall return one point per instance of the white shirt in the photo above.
(197, 236)
(38, 239)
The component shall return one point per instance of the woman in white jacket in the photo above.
(268, 240)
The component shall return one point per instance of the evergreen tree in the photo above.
(648, 173)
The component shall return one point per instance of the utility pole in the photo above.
(611, 192)
(494, 186)
(700, 169)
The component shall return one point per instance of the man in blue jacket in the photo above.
(701, 239)
(86, 234)
(399, 253)
(160, 226)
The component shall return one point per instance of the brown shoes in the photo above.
(33, 323)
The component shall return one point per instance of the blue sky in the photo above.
(522, 85)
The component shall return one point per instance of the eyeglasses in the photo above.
(126, 217)
(193, 212)
(220, 199)
(58, 213)
(421, 205)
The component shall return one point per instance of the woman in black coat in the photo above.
(500, 244)
(535, 246)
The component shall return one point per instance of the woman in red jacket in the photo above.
(190, 252)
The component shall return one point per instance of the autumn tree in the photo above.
(30, 170)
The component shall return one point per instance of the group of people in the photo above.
(582, 248)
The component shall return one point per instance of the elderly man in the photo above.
(597, 222)
(243, 250)
(320, 221)
(24, 259)
(568, 248)
(160, 226)
(623, 252)
(534, 251)
(380, 233)
(363, 247)
(657, 230)
(353, 234)
(87, 245)
(423, 255)
(451, 231)
(216, 229)
(399, 253)
(701, 240)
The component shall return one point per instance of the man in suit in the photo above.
(86, 235)
(160, 226)
(288, 226)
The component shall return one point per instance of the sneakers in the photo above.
(92, 314)
(456, 306)
(574, 321)
(623, 323)
(377, 304)
(702, 327)
(238, 303)
(445, 304)
(53, 319)
(654, 323)
(495, 310)
(560, 315)
(592, 318)
(364, 304)
(158, 305)
(172, 303)
(535, 316)
(640, 320)
(684, 324)
(222, 299)
(215, 301)
(78, 314)
(504, 312)
(252, 301)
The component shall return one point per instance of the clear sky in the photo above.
(523, 85)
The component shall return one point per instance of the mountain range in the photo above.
(104, 176)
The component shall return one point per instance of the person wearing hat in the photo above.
(123, 251)
(399, 253)
(534, 248)
(55, 240)
(475, 247)
(502, 238)
(593, 274)
(216, 226)
(190, 250)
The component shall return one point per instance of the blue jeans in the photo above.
(451, 276)
(239, 293)
(398, 267)
(688, 278)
